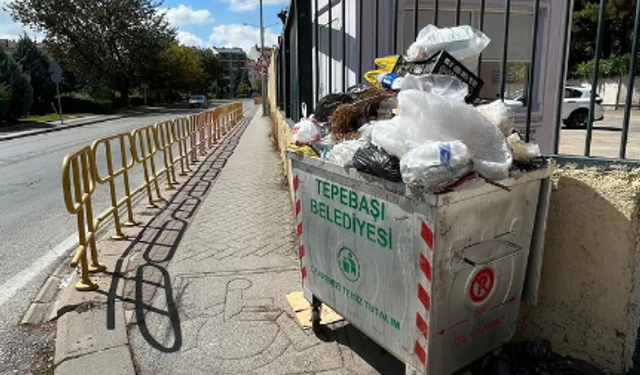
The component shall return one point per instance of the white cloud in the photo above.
(249, 5)
(13, 30)
(188, 39)
(243, 36)
(185, 15)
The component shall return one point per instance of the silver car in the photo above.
(198, 101)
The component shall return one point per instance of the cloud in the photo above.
(249, 5)
(13, 30)
(243, 36)
(185, 15)
(188, 39)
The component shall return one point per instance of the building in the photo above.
(8, 45)
(233, 62)
(252, 69)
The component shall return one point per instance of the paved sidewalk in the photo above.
(220, 306)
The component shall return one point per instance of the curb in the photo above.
(65, 127)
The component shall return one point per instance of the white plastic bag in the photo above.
(342, 153)
(365, 131)
(425, 116)
(438, 84)
(522, 151)
(500, 114)
(436, 165)
(462, 42)
(388, 135)
(305, 132)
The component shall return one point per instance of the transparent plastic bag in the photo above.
(425, 116)
(448, 86)
(436, 165)
(523, 152)
(342, 153)
(388, 135)
(365, 131)
(462, 42)
(500, 115)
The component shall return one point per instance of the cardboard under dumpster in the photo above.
(436, 280)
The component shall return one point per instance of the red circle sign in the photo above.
(482, 285)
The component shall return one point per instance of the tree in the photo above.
(36, 64)
(17, 83)
(212, 70)
(182, 69)
(104, 42)
(257, 85)
(5, 102)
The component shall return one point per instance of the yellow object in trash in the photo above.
(302, 149)
(385, 65)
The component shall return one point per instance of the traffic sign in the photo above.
(482, 285)
(263, 61)
(263, 71)
(56, 71)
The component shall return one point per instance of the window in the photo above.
(571, 93)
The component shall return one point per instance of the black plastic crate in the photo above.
(445, 64)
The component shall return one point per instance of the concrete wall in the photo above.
(589, 287)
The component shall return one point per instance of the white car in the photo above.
(575, 109)
(198, 101)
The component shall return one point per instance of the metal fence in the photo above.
(375, 30)
(190, 136)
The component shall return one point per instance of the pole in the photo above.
(264, 81)
(59, 103)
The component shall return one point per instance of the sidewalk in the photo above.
(203, 289)
(229, 276)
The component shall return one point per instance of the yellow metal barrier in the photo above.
(81, 174)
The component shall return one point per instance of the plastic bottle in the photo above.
(390, 81)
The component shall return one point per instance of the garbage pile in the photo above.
(415, 120)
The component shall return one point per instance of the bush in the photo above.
(138, 101)
(5, 102)
(79, 103)
(18, 84)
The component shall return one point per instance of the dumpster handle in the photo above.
(470, 262)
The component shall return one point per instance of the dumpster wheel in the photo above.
(316, 310)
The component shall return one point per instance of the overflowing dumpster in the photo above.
(434, 279)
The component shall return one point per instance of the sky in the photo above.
(200, 23)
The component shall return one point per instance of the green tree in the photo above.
(211, 68)
(17, 83)
(36, 64)
(182, 69)
(257, 85)
(5, 102)
(243, 90)
(104, 42)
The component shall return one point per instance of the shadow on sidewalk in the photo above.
(150, 252)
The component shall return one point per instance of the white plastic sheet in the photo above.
(462, 42)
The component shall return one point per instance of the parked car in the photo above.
(198, 101)
(575, 109)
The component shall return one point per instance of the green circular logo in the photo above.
(349, 264)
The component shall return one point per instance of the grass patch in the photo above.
(52, 117)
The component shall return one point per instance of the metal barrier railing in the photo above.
(191, 135)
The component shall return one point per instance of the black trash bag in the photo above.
(376, 161)
(537, 358)
(328, 104)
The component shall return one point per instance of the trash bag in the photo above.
(388, 135)
(302, 149)
(329, 103)
(305, 132)
(365, 131)
(424, 116)
(500, 114)
(376, 161)
(385, 65)
(522, 152)
(342, 153)
(462, 42)
(447, 86)
(537, 358)
(436, 165)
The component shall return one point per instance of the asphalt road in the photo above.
(33, 221)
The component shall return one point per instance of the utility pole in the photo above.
(264, 81)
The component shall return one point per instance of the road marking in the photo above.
(24, 277)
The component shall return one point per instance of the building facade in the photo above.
(234, 64)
